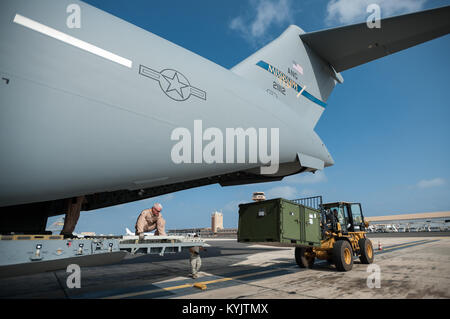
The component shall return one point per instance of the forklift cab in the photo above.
(348, 215)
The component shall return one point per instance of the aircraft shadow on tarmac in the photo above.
(212, 251)
(146, 276)
(319, 265)
(229, 267)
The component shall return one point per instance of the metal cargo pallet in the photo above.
(26, 254)
(31, 237)
(158, 244)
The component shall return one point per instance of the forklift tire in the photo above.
(366, 251)
(304, 261)
(343, 255)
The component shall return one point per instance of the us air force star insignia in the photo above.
(174, 84)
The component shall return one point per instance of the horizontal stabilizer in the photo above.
(353, 45)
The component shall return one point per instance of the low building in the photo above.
(204, 232)
(433, 221)
(226, 232)
(216, 229)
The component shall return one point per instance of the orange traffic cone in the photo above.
(379, 246)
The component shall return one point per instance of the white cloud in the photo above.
(352, 11)
(287, 192)
(431, 183)
(307, 178)
(233, 206)
(266, 13)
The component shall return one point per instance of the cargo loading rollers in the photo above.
(26, 254)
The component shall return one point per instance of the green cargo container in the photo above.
(279, 222)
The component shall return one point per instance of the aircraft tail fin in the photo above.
(129, 232)
(301, 69)
(292, 73)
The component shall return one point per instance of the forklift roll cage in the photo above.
(350, 215)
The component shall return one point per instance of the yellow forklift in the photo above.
(343, 235)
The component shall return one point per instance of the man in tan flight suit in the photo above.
(151, 219)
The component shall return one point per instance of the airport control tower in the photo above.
(216, 221)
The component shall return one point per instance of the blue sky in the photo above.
(387, 127)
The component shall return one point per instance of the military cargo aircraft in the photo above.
(116, 114)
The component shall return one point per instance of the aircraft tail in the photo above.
(291, 72)
(129, 232)
(301, 69)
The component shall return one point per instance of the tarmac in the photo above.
(407, 268)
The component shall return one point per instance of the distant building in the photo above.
(435, 221)
(216, 229)
(226, 232)
(204, 232)
(216, 222)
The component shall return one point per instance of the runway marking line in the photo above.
(410, 244)
(134, 294)
(225, 279)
